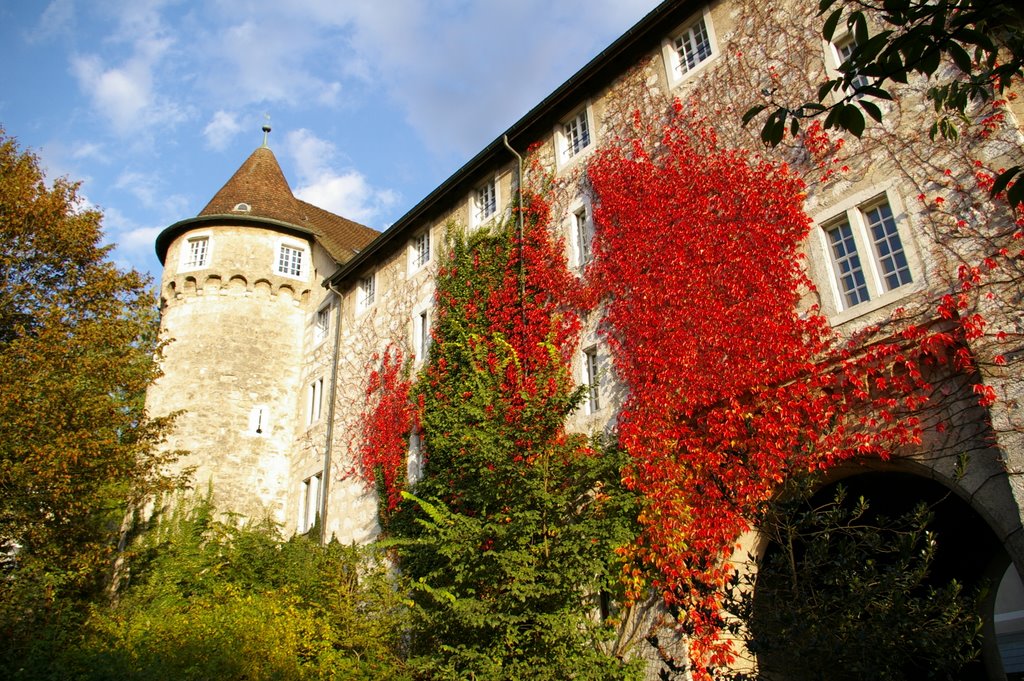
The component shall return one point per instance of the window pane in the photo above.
(693, 46)
(197, 250)
(289, 261)
(849, 274)
(892, 259)
(577, 134)
(486, 201)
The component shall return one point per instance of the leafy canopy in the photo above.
(77, 340)
(982, 39)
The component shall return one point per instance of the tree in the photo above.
(210, 599)
(510, 540)
(77, 342)
(983, 41)
(845, 592)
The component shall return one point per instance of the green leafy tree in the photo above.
(212, 599)
(77, 340)
(510, 540)
(982, 39)
(847, 593)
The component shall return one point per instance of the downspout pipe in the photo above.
(519, 228)
(325, 484)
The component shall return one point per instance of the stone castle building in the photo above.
(276, 307)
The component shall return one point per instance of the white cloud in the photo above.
(344, 192)
(88, 150)
(221, 129)
(148, 190)
(139, 239)
(57, 19)
(460, 71)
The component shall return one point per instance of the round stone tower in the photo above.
(240, 282)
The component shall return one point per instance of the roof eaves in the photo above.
(662, 18)
(164, 239)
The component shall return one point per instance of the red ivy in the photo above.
(731, 388)
(387, 422)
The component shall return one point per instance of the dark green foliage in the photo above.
(509, 542)
(214, 600)
(845, 593)
(984, 39)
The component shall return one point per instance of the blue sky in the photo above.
(153, 104)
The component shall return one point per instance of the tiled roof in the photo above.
(260, 184)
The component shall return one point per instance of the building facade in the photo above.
(275, 308)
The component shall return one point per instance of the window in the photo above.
(584, 228)
(421, 249)
(367, 291)
(414, 467)
(867, 254)
(259, 420)
(198, 252)
(421, 335)
(309, 502)
(575, 135)
(485, 202)
(322, 324)
(314, 401)
(843, 49)
(689, 48)
(289, 261)
(590, 375)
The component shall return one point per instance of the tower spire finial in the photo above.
(266, 129)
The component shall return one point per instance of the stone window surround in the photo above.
(851, 208)
(670, 56)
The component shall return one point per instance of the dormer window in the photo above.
(242, 208)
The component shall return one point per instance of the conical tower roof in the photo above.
(258, 192)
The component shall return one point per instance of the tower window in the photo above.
(289, 261)
(198, 253)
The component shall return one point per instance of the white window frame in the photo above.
(314, 401)
(419, 250)
(566, 152)
(676, 69)
(310, 500)
(421, 338)
(322, 323)
(581, 233)
(477, 212)
(366, 292)
(591, 375)
(835, 50)
(880, 292)
(303, 257)
(186, 264)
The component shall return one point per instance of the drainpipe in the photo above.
(519, 227)
(325, 484)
